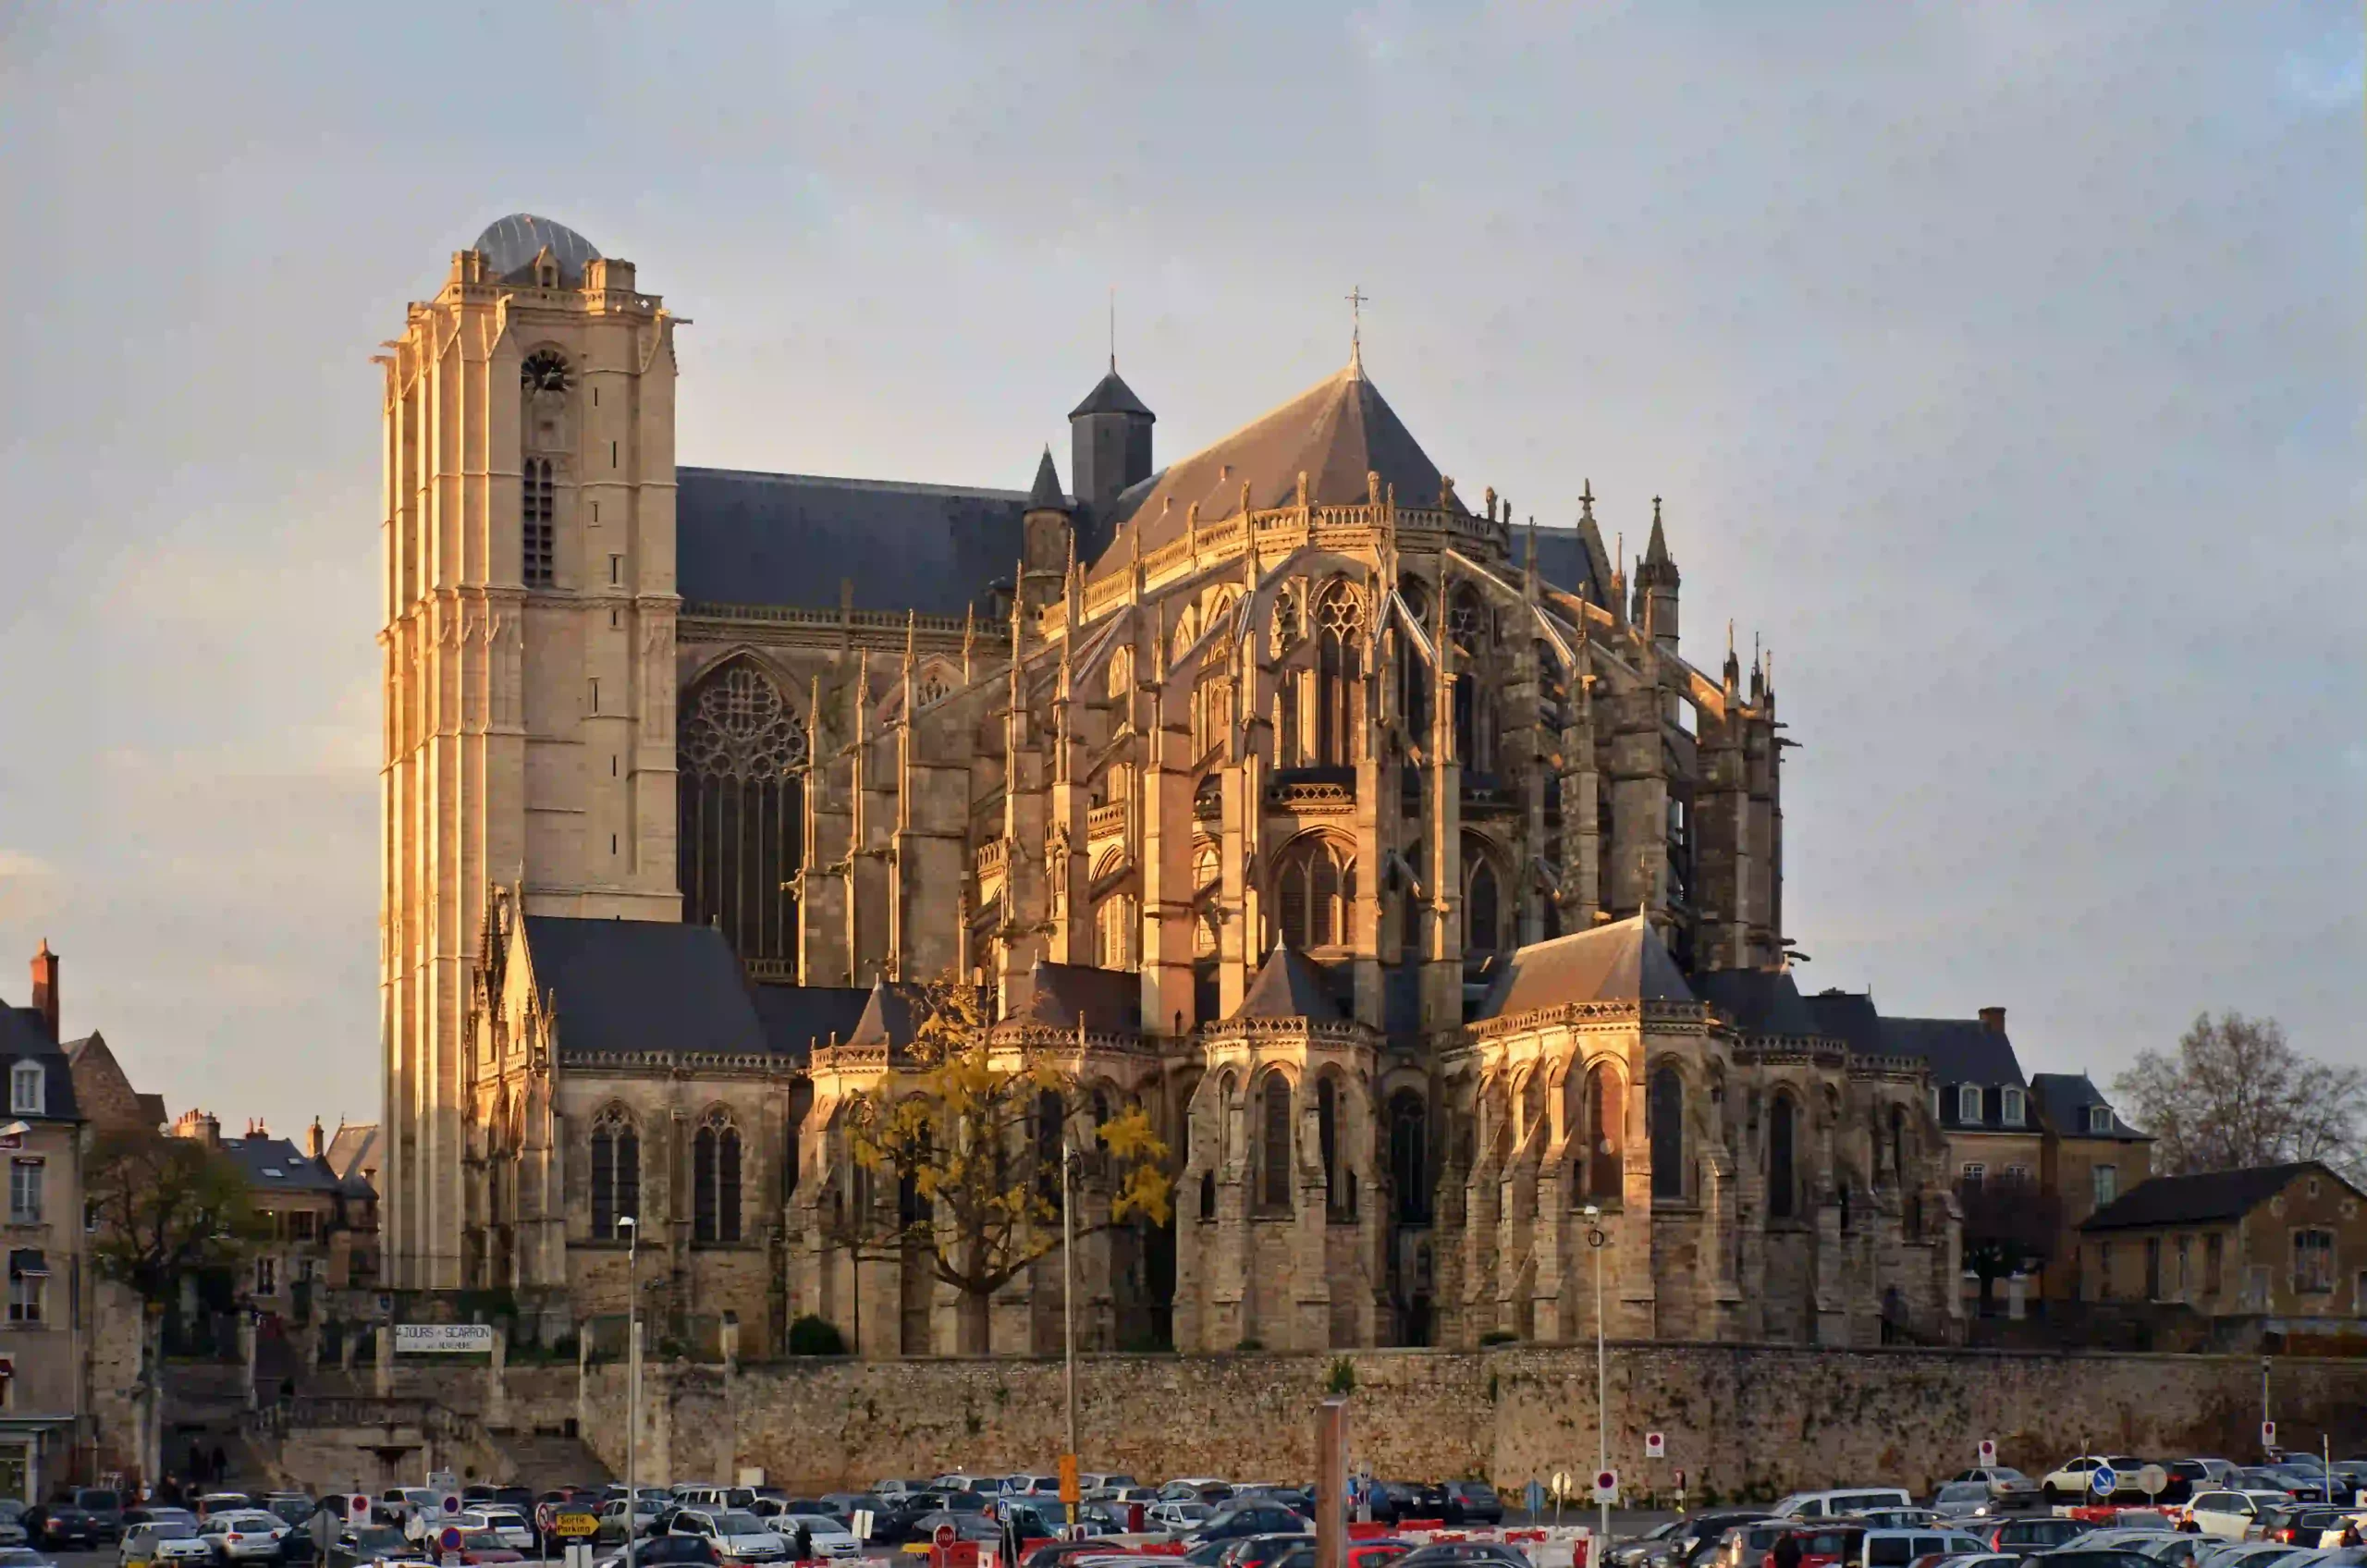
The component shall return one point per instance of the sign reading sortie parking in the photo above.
(442, 1339)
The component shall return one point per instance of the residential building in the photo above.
(2283, 1245)
(321, 1226)
(2089, 1158)
(44, 1376)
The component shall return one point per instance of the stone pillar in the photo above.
(497, 1385)
(1310, 1234)
(385, 1381)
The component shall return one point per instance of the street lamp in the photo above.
(1068, 1304)
(632, 1228)
(1596, 1240)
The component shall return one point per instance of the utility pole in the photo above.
(1067, 1310)
(633, 1385)
(1595, 1242)
(2264, 1409)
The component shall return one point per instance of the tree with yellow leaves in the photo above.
(970, 1135)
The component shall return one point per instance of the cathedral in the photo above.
(1389, 850)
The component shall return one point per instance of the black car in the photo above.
(1464, 1554)
(672, 1550)
(1264, 1551)
(58, 1525)
(1256, 1517)
(105, 1505)
(1472, 1502)
(373, 1543)
(1656, 1543)
(2024, 1536)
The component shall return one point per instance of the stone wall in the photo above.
(1742, 1420)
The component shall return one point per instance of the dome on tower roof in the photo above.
(511, 244)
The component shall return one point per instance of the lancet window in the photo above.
(1315, 889)
(714, 1181)
(740, 799)
(616, 1174)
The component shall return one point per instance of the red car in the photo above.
(484, 1546)
(1822, 1545)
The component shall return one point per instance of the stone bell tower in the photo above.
(528, 639)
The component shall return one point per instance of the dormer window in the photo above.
(2099, 1119)
(28, 1089)
(2009, 1106)
(1968, 1104)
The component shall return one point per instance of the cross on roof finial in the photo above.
(1357, 298)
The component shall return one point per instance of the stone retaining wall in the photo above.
(1749, 1421)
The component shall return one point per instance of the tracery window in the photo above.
(1409, 1137)
(1781, 1183)
(1326, 1136)
(742, 757)
(615, 1173)
(538, 525)
(1315, 889)
(1339, 619)
(1113, 926)
(714, 1181)
(1276, 1164)
(1414, 674)
(1597, 1165)
(1665, 1110)
(1482, 904)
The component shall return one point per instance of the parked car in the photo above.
(1823, 1546)
(2006, 1484)
(56, 1525)
(969, 1525)
(1897, 1548)
(1180, 1516)
(1839, 1503)
(243, 1534)
(161, 1540)
(1464, 1554)
(373, 1543)
(1255, 1518)
(23, 1557)
(2073, 1478)
(1744, 1546)
(1699, 1535)
(1964, 1499)
(485, 1547)
(1359, 1554)
(1654, 1545)
(740, 1537)
(669, 1551)
(2229, 1515)
(2081, 1557)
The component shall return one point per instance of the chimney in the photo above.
(45, 989)
(316, 1141)
(1994, 1020)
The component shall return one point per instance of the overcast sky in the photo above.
(2001, 365)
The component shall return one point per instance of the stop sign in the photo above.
(945, 1536)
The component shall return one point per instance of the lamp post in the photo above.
(632, 1228)
(1068, 1305)
(1595, 1243)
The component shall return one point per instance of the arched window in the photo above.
(1781, 1186)
(1599, 1177)
(1114, 923)
(714, 1181)
(538, 524)
(742, 760)
(1666, 1113)
(1327, 1138)
(1208, 1194)
(1409, 1156)
(1898, 1143)
(615, 1173)
(1339, 624)
(1482, 928)
(1315, 889)
(1277, 1152)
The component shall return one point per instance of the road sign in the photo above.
(1563, 1482)
(1533, 1495)
(449, 1537)
(1069, 1491)
(325, 1528)
(357, 1509)
(2102, 1480)
(1655, 1446)
(544, 1513)
(2268, 1434)
(1988, 1452)
(449, 1504)
(944, 1538)
(575, 1525)
(1606, 1486)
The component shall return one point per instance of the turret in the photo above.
(1657, 579)
(1048, 534)
(1108, 442)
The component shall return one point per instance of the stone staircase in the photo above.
(543, 1462)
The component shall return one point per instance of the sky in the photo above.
(2002, 367)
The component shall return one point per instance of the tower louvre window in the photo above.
(538, 538)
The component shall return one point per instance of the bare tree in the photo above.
(2237, 1094)
(2011, 1225)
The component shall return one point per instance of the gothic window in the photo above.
(1327, 1136)
(714, 1181)
(1666, 1115)
(1414, 674)
(1051, 1115)
(1782, 1199)
(1315, 889)
(1276, 1099)
(1409, 1136)
(1466, 619)
(1899, 1142)
(538, 524)
(616, 1174)
(1598, 1122)
(1339, 618)
(1113, 924)
(1290, 614)
(1483, 912)
(742, 757)
(1208, 1194)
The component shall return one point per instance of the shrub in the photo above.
(1343, 1377)
(815, 1336)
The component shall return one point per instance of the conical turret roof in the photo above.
(1111, 396)
(1046, 496)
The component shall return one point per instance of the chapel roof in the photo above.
(1056, 995)
(1957, 1050)
(795, 1019)
(1759, 1001)
(616, 985)
(1289, 986)
(1624, 960)
(1335, 433)
(511, 245)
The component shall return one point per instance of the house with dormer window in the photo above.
(2089, 1158)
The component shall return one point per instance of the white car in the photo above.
(235, 1535)
(2071, 1479)
(1177, 1515)
(162, 1540)
(506, 1523)
(825, 1536)
(743, 1537)
(2228, 1515)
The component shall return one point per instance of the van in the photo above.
(1840, 1503)
(1897, 1548)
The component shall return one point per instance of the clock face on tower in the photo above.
(543, 371)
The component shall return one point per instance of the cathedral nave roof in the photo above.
(618, 986)
(1624, 960)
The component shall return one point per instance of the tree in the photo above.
(2237, 1094)
(957, 1158)
(162, 1211)
(2011, 1225)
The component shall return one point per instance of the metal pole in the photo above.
(1601, 1382)
(2264, 1409)
(1068, 1306)
(632, 1387)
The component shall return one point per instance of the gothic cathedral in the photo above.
(1391, 852)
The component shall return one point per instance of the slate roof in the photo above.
(511, 245)
(795, 1019)
(24, 1036)
(620, 986)
(2064, 1098)
(1055, 994)
(1759, 1001)
(1624, 961)
(2202, 1197)
(1046, 494)
(105, 1092)
(276, 1164)
(1962, 1053)
(1562, 560)
(1289, 984)
(891, 1016)
(1849, 1017)
(1336, 431)
(1111, 396)
(749, 538)
(354, 1149)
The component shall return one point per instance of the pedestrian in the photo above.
(1787, 1550)
(221, 1464)
(802, 1544)
(196, 1466)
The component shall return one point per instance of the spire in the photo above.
(1586, 500)
(1659, 569)
(1357, 298)
(1046, 495)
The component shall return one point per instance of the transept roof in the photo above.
(1622, 962)
(1289, 986)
